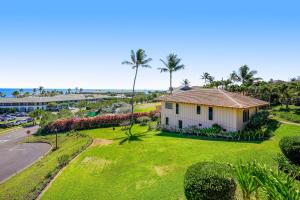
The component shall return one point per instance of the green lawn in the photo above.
(145, 107)
(27, 184)
(152, 166)
(291, 114)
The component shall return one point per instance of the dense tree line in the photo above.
(245, 82)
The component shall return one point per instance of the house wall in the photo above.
(230, 119)
(226, 117)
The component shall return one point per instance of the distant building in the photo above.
(28, 104)
(202, 107)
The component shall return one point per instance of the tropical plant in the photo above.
(138, 59)
(16, 94)
(172, 64)
(285, 94)
(41, 89)
(244, 75)
(186, 83)
(205, 76)
(290, 147)
(2, 94)
(245, 175)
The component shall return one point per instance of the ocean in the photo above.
(8, 91)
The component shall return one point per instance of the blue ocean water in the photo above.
(8, 91)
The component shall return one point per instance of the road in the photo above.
(14, 155)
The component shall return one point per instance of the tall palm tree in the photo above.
(172, 64)
(137, 59)
(34, 91)
(186, 82)
(41, 88)
(244, 75)
(205, 76)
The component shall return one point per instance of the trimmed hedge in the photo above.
(209, 181)
(64, 125)
(290, 147)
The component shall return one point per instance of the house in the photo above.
(203, 107)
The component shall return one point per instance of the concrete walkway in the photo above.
(15, 156)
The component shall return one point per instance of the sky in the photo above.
(68, 44)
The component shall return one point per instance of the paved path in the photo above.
(15, 156)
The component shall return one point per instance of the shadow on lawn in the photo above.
(136, 137)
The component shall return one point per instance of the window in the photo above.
(210, 113)
(167, 120)
(198, 110)
(168, 105)
(245, 115)
(180, 124)
(177, 108)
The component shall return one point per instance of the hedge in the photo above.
(64, 125)
(209, 181)
(290, 147)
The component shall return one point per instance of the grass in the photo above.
(152, 165)
(291, 114)
(28, 184)
(145, 107)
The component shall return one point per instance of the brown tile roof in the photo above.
(213, 97)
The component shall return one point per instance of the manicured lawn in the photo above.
(145, 107)
(27, 184)
(291, 114)
(152, 166)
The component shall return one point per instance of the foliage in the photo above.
(245, 175)
(209, 181)
(63, 125)
(275, 185)
(290, 114)
(290, 147)
(63, 160)
(172, 64)
(143, 120)
(258, 120)
(7, 110)
(288, 167)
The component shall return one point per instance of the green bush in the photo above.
(209, 181)
(290, 147)
(287, 167)
(258, 120)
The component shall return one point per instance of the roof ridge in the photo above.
(240, 105)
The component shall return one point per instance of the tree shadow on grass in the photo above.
(137, 137)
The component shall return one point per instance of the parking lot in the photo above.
(14, 119)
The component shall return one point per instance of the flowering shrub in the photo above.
(63, 125)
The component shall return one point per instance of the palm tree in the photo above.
(69, 91)
(285, 94)
(172, 64)
(186, 82)
(76, 90)
(205, 76)
(80, 90)
(137, 59)
(21, 91)
(34, 91)
(16, 94)
(41, 88)
(2, 94)
(244, 75)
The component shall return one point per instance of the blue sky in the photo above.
(82, 43)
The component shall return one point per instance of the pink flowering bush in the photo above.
(63, 125)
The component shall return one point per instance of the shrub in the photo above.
(63, 160)
(287, 167)
(143, 120)
(258, 120)
(209, 181)
(290, 147)
(64, 125)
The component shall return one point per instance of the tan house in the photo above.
(202, 107)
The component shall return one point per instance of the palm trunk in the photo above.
(132, 101)
(171, 89)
